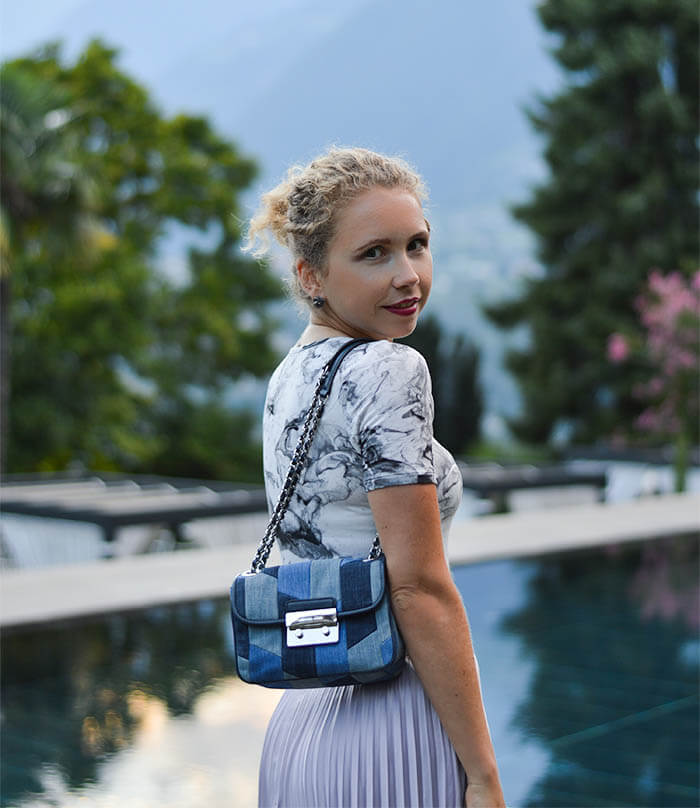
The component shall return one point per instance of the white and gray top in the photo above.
(376, 431)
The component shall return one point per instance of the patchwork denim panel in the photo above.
(377, 579)
(363, 655)
(260, 596)
(264, 664)
(264, 638)
(294, 580)
(325, 579)
(355, 588)
(359, 628)
(332, 659)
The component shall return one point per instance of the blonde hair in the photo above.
(302, 211)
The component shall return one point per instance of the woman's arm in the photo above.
(432, 620)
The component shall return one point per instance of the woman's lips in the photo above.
(404, 308)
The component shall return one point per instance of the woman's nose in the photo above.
(405, 274)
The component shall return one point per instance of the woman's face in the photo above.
(379, 267)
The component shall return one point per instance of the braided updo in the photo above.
(302, 211)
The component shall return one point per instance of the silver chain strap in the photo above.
(296, 467)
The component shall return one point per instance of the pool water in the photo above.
(589, 665)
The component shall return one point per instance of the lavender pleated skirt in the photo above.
(370, 746)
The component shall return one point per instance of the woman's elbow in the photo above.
(421, 592)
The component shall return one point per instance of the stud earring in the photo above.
(318, 301)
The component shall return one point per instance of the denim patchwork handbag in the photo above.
(315, 623)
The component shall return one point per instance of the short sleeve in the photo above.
(389, 397)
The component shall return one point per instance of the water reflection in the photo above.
(209, 758)
(614, 693)
(131, 711)
(589, 662)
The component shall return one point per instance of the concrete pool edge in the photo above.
(47, 595)
(573, 527)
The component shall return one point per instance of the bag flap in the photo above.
(356, 584)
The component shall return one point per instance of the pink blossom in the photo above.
(647, 421)
(679, 359)
(669, 313)
(618, 349)
(655, 386)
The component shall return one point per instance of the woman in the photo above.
(354, 223)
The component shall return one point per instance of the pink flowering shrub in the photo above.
(669, 313)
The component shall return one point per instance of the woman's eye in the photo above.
(373, 252)
(417, 244)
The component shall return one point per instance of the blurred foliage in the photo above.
(621, 198)
(114, 364)
(513, 452)
(454, 370)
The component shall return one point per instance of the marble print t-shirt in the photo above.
(376, 431)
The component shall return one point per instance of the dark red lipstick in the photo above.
(404, 308)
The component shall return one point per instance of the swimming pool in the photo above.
(589, 663)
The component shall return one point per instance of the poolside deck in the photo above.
(55, 594)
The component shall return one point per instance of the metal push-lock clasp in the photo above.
(313, 627)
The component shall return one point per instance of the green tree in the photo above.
(454, 369)
(41, 184)
(620, 199)
(113, 362)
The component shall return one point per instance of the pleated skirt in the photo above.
(372, 746)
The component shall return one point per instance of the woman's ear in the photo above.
(308, 278)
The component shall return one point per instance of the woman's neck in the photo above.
(315, 332)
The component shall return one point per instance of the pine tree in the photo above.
(620, 200)
(461, 412)
(457, 393)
